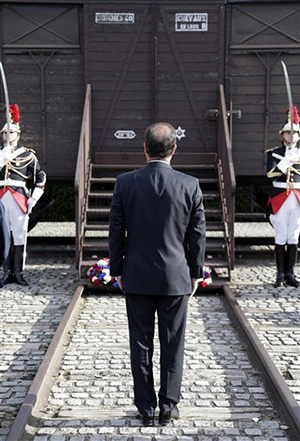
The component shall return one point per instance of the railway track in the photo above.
(232, 389)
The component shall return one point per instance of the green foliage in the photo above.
(243, 199)
(63, 206)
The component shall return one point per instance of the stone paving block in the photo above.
(219, 371)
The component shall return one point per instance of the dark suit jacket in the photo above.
(157, 230)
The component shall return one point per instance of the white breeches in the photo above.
(287, 221)
(16, 220)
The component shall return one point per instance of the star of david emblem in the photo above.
(180, 133)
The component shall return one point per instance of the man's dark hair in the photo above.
(160, 139)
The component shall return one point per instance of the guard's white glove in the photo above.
(291, 156)
(36, 195)
(5, 155)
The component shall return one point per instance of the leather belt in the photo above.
(12, 183)
(287, 185)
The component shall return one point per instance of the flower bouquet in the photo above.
(206, 279)
(99, 274)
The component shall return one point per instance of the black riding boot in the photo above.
(279, 259)
(292, 253)
(18, 265)
(8, 268)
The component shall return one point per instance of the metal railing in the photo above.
(82, 174)
(226, 170)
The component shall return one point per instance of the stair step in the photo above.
(101, 226)
(215, 244)
(99, 244)
(135, 167)
(98, 210)
(203, 181)
(211, 195)
(215, 226)
(217, 262)
(112, 180)
(214, 263)
(100, 194)
(210, 211)
(96, 243)
(109, 194)
(138, 159)
(103, 180)
(213, 212)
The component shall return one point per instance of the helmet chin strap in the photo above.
(13, 143)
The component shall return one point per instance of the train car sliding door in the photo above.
(160, 61)
(41, 53)
(261, 35)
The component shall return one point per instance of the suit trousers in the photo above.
(171, 314)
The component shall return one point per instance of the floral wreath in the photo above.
(206, 279)
(99, 274)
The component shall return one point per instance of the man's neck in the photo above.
(167, 159)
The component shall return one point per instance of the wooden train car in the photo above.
(90, 76)
(148, 61)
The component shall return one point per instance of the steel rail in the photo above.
(38, 392)
(274, 379)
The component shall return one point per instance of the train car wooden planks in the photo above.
(150, 61)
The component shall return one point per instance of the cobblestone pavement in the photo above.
(29, 317)
(274, 314)
(67, 229)
(223, 397)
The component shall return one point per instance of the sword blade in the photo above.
(289, 94)
(4, 83)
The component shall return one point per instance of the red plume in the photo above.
(14, 111)
(295, 114)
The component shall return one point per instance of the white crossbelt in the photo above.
(288, 186)
(12, 183)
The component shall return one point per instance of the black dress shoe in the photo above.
(279, 280)
(166, 417)
(146, 420)
(19, 279)
(7, 278)
(291, 280)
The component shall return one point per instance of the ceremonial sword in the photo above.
(6, 102)
(290, 99)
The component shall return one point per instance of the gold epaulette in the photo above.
(30, 150)
(274, 148)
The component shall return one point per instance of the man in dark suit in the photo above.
(157, 245)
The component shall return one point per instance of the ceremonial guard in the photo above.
(283, 167)
(15, 177)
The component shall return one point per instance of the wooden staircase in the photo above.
(101, 180)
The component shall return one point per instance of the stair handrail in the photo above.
(225, 156)
(82, 173)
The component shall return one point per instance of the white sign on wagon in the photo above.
(125, 134)
(114, 17)
(191, 22)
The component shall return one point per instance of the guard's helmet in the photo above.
(14, 125)
(287, 125)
